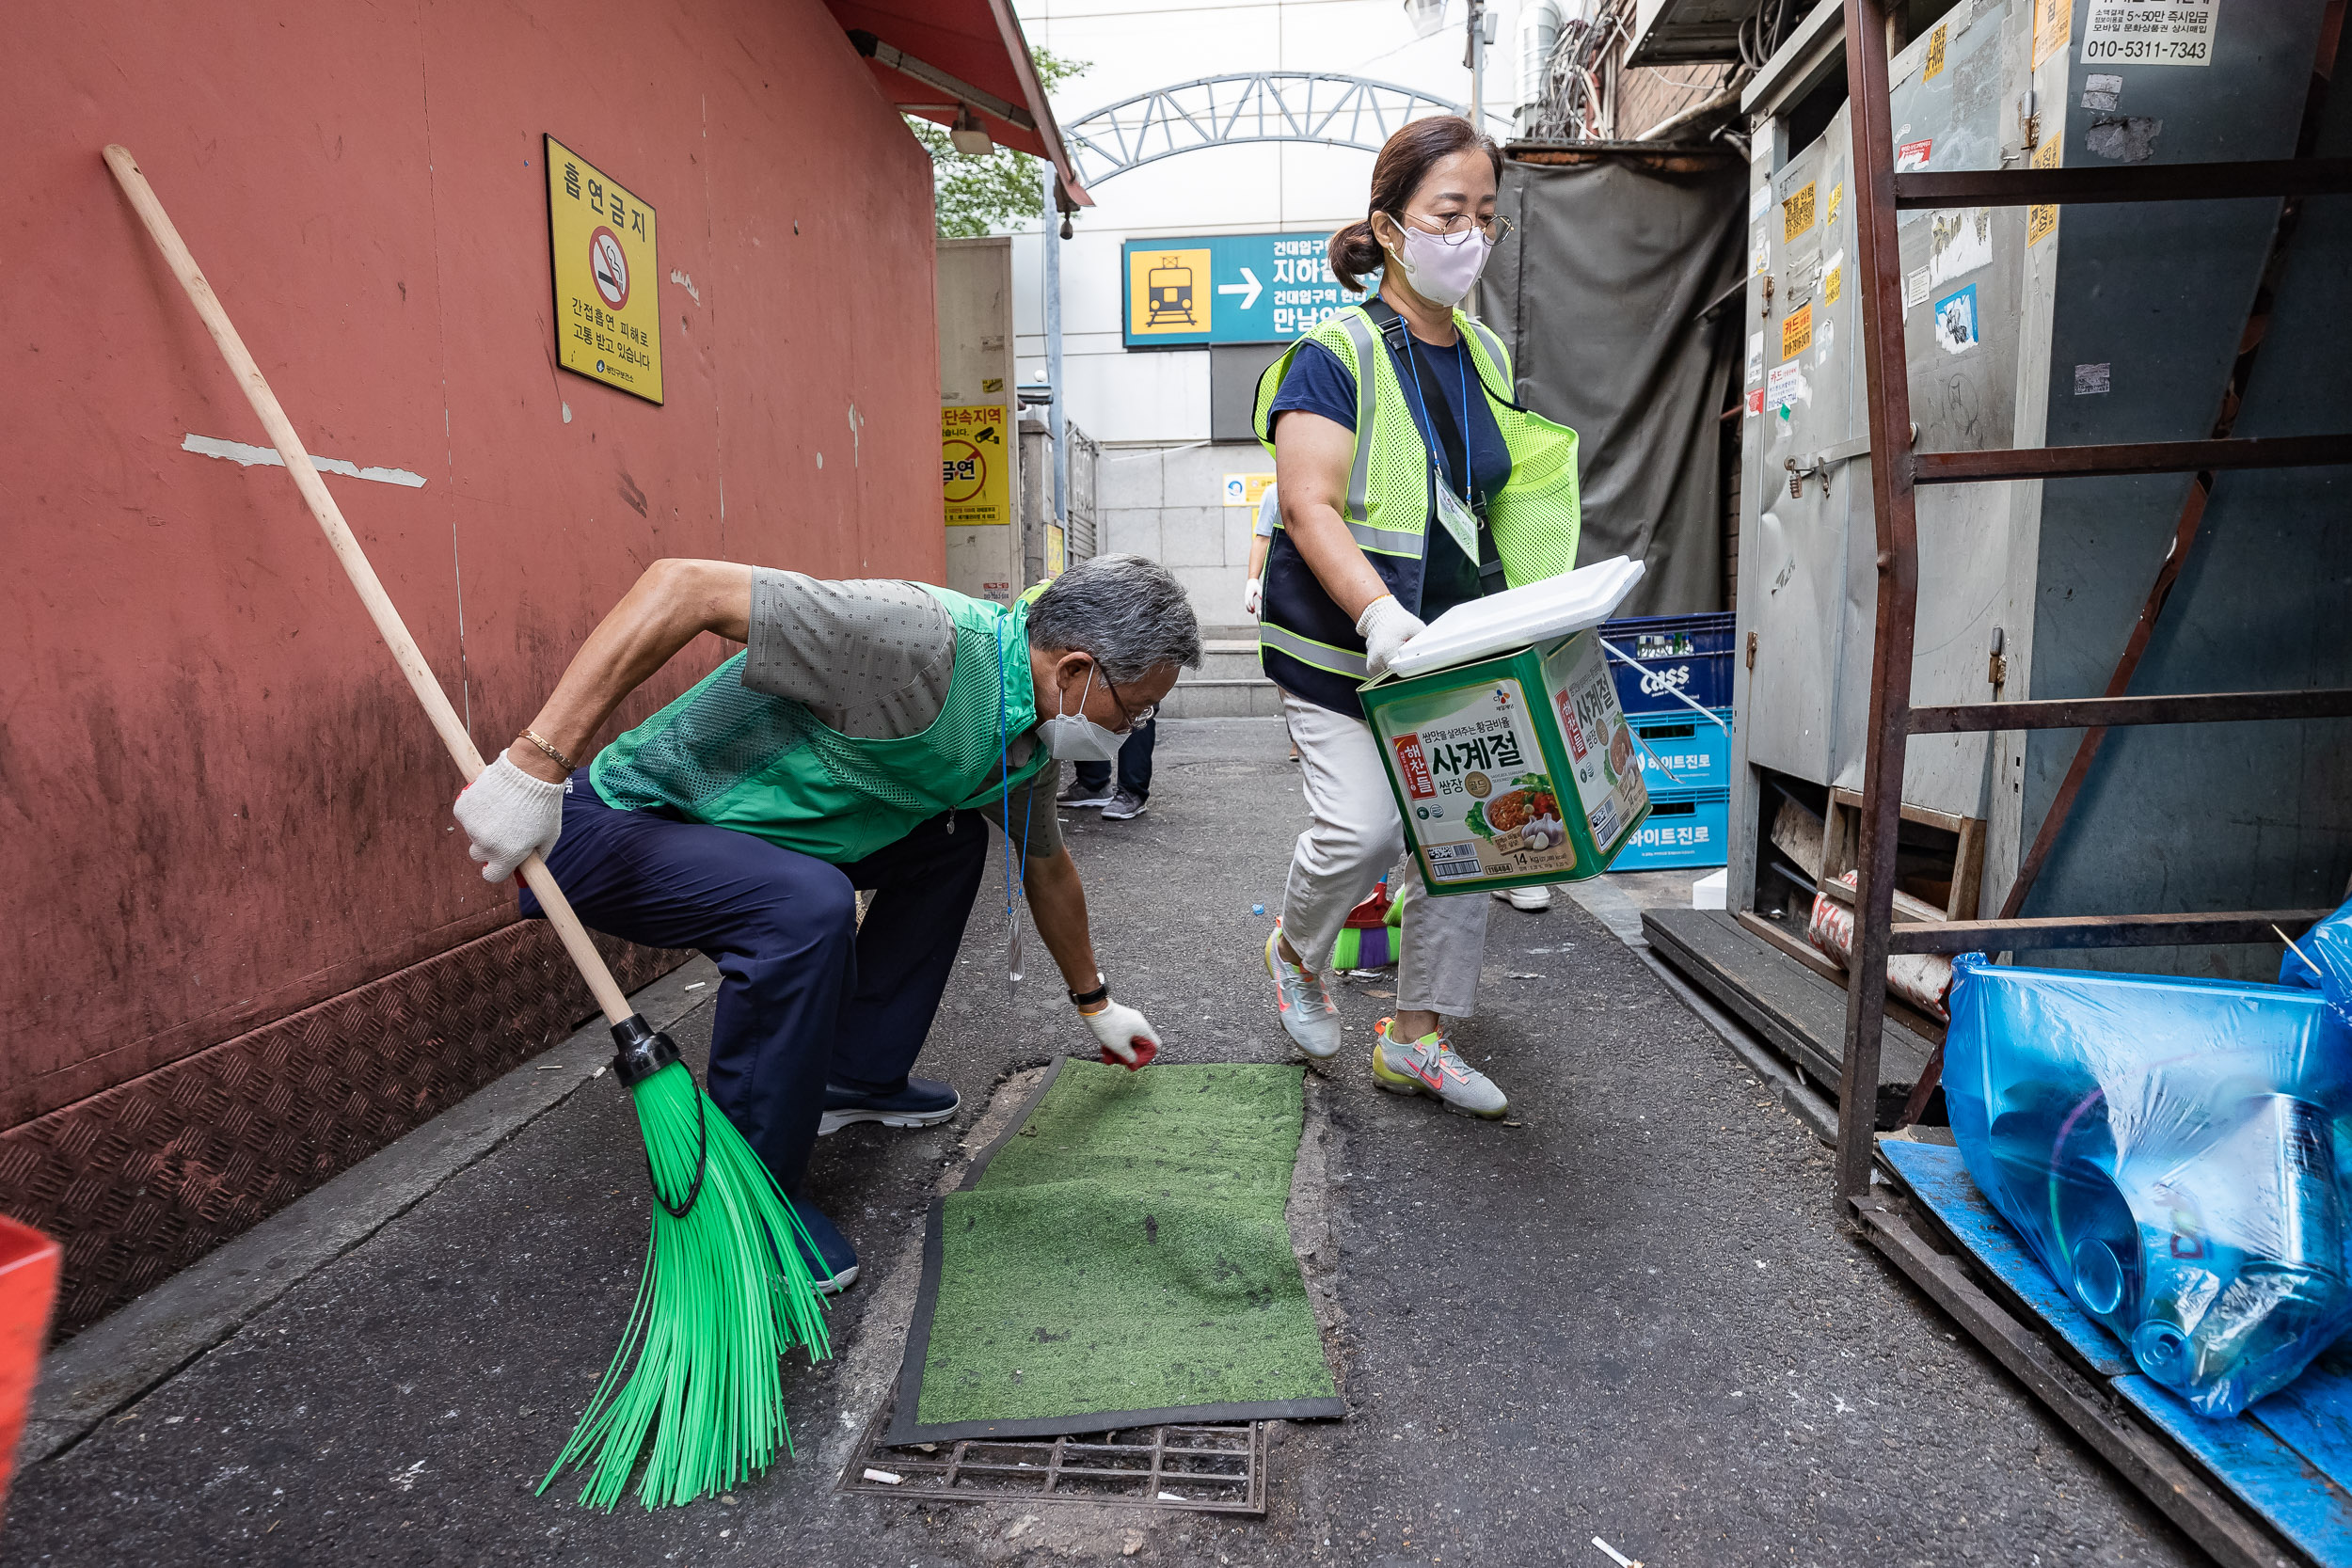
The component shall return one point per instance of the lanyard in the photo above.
(1014, 880)
(1461, 358)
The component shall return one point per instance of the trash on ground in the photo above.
(1619, 1558)
(885, 1477)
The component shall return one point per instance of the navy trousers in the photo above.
(1134, 763)
(807, 996)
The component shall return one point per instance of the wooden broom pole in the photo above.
(339, 537)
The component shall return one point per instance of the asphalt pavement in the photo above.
(1627, 1313)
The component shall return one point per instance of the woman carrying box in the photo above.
(1403, 494)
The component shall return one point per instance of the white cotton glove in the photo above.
(1251, 593)
(507, 814)
(1122, 1031)
(1385, 625)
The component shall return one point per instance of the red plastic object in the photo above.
(29, 1289)
(1143, 1049)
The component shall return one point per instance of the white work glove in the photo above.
(1249, 596)
(507, 814)
(1120, 1030)
(1385, 625)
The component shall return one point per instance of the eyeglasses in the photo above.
(1134, 720)
(1456, 227)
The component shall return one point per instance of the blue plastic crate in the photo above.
(1693, 831)
(1690, 654)
(1682, 752)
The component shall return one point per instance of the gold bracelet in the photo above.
(541, 741)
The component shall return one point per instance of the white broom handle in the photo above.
(339, 537)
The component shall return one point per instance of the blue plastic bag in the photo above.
(2321, 959)
(2173, 1150)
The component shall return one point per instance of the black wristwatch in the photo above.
(1089, 998)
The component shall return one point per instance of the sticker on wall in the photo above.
(1833, 280)
(1760, 252)
(2040, 220)
(1837, 199)
(1759, 202)
(2052, 22)
(1796, 331)
(1756, 359)
(1823, 336)
(1956, 321)
(1246, 489)
(1056, 550)
(2100, 94)
(2091, 381)
(1913, 154)
(1796, 213)
(975, 465)
(607, 304)
(1960, 241)
(1787, 387)
(1915, 287)
(1755, 402)
(2132, 32)
(1935, 54)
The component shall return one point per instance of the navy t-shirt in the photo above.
(1319, 384)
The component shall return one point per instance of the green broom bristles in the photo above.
(725, 1294)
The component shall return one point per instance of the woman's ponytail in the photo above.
(1353, 252)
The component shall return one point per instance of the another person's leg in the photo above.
(780, 925)
(1353, 836)
(923, 888)
(1089, 787)
(1135, 773)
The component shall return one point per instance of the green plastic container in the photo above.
(1478, 755)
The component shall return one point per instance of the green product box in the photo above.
(1475, 754)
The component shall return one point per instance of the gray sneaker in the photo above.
(1430, 1067)
(1078, 797)
(1310, 1016)
(1125, 806)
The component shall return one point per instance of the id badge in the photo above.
(1459, 520)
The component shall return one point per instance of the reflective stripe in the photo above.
(1358, 332)
(1308, 651)
(1387, 541)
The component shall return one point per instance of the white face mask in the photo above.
(1442, 274)
(1073, 736)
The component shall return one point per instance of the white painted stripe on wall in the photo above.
(238, 451)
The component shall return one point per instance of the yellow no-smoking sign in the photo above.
(608, 304)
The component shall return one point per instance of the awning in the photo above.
(932, 58)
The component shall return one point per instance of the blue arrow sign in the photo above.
(1227, 289)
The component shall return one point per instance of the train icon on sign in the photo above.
(1169, 293)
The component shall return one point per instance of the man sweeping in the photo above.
(862, 741)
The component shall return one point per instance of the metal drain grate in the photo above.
(1209, 1469)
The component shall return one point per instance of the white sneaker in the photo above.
(1310, 1016)
(1429, 1066)
(1532, 900)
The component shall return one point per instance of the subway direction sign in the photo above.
(1228, 289)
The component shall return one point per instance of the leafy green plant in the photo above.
(1000, 190)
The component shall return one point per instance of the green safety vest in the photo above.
(1534, 518)
(733, 758)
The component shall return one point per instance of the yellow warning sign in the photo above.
(2053, 25)
(608, 299)
(2040, 220)
(1796, 215)
(1935, 54)
(1796, 331)
(1833, 284)
(975, 465)
(1168, 292)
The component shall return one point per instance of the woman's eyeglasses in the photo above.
(1456, 227)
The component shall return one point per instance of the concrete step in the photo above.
(1195, 698)
(1226, 659)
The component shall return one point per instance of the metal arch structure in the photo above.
(1222, 111)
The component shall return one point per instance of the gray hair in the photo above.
(1127, 611)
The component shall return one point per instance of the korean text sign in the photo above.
(608, 300)
(976, 463)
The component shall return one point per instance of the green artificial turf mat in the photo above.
(1120, 1258)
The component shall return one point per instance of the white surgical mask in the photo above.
(1073, 736)
(1442, 274)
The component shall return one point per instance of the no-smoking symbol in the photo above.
(609, 266)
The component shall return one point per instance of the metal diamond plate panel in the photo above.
(142, 1179)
